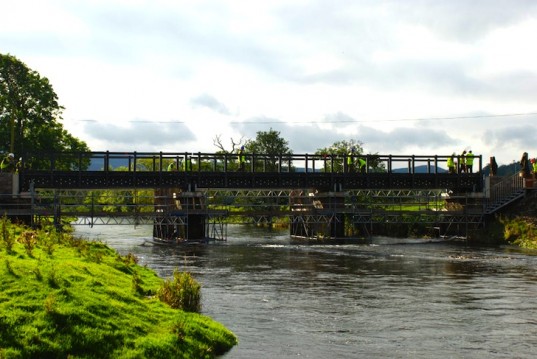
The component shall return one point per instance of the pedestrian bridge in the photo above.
(187, 170)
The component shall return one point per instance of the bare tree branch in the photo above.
(217, 141)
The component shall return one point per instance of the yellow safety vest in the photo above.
(241, 157)
(470, 158)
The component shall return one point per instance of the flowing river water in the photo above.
(389, 299)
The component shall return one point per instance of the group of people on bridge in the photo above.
(355, 162)
(461, 164)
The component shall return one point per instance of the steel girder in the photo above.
(325, 181)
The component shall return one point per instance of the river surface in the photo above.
(389, 299)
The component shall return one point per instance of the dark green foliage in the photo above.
(29, 115)
(270, 144)
(336, 155)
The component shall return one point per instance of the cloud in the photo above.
(308, 138)
(508, 136)
(462, 20)
(211, 103)
(139, 135)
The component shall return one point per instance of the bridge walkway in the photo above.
(113, 170)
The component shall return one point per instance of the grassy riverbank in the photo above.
(519, 222)
(515, 224)
(64, 297)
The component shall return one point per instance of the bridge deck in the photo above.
(244, 180)
(103, 170)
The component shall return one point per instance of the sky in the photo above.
(406, 77)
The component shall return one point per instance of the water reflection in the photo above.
(412, 300)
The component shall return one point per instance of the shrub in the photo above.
(29, 240)
(183, 292)
(7, 236)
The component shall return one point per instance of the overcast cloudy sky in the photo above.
(403, 77)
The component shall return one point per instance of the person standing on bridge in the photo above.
(362, 163)
(451, 163)
(242, 159)
(462, 162)
(18, 165)
(8, 163)
(524, 165)
(469, 162)
(534, 165)
(351, 161)
(172, 166)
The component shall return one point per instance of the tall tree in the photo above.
(29, 115)
(340, 149)
(270, 144)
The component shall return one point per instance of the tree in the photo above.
(217, 141)
(235, 145)
(270, 145)
(340, 149)
(29, 114)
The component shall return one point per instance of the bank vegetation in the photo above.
(66, 297)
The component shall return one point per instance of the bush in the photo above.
(7, 236)
(29, 240)
(183, 292)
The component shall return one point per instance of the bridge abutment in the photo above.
(13, 204)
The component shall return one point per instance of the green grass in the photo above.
(62, 297)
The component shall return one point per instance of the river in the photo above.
(389, 299)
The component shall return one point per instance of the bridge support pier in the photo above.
(318, 215)
(181, 216)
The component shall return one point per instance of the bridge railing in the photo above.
(227, 162)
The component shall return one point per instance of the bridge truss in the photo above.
(306, 211)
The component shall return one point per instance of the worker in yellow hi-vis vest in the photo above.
(451, 163)
(8, 163)
(242, 159)
(469, 161)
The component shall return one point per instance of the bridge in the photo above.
(106, 170)
(318, 194)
